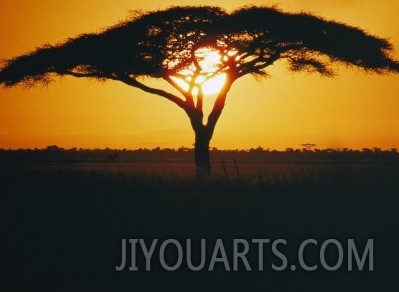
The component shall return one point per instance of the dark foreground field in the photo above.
(64, 222)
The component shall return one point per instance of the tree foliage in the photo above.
(159, 44)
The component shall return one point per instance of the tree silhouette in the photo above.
(173, 44)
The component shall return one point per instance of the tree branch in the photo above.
(133, 82)
(187, 94)
(219, 104)
(200, 97)
(258, 64)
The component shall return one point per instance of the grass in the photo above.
(64, 225)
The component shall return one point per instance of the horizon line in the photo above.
(184, 148)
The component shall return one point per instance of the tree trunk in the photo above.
(201, 150)
(204, 133)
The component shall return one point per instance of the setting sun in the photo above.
(206, 76)
(214, 84)
(209, 86)
(208, 59)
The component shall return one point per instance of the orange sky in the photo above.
(353, 110)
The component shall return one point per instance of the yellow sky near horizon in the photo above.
(353, 110)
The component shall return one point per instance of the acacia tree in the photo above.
(174, 45)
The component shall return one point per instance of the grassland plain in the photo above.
(66, 215)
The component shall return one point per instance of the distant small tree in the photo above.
(308, 146)
(188, 46)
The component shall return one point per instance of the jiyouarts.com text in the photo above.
(248, 255)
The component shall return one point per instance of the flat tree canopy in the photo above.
(156, 44)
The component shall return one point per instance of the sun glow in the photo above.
(214, 84)
(209, 86)
(208, 79)
(208, 59)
